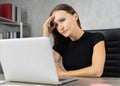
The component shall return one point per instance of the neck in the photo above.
(77, 34)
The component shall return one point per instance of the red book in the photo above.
(6, 10)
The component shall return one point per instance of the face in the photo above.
(65, 22)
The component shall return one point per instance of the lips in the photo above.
(63, 32)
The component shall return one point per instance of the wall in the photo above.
(94, 14)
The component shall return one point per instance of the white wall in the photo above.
(94, 14)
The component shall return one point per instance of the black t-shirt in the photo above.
(78, 54)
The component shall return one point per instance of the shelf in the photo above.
(7, 21)
(10, 22)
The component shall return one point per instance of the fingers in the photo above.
(50, 19)
(46, 26)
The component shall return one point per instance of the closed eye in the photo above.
(61, 20)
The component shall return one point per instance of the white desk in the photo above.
(82, 81)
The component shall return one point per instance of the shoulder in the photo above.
(95, 37)
(94, 34)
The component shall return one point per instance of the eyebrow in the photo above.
(59, 19)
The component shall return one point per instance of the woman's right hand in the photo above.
(46, 26)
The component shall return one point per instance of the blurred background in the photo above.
(94, 14)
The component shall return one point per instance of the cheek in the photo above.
(68, 24)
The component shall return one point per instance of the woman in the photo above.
(83, 53)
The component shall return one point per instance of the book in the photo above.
(17, 34)
(14, 34)
(19, 11)
(6, 10)
(14, 13)
(1, 35)
(10, 11)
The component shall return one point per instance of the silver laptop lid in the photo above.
(28, 60)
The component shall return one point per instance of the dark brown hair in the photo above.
(70, 10)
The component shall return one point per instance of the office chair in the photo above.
(112, 64)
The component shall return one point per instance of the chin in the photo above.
(66, 36)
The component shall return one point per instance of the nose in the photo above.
(60, 27)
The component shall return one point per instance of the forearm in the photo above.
(87, 72)
(59, 69)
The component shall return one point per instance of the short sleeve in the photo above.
(58, 47)
(97, 37)
(61, 44)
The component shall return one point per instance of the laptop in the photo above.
(29, 60)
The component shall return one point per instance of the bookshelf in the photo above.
(6, 21)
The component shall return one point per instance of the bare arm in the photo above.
(57, 62)
(96, 69)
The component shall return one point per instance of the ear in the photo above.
(76, 16)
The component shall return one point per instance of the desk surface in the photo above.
(82, 81)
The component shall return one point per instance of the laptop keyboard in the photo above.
(62, 79)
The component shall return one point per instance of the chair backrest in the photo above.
(112, 64)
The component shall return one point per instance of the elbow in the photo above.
(98, 73)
